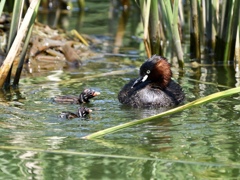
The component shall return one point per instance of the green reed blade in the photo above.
(154, 29)
(15, 23)
(232, 31)
(25, 46)
(171, 111)
(4, 69)
(237, 45)
(16, 18)
(195, 36)
(2, 4)
(175, 31)
(172, 21)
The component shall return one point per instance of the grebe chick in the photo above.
(82, 112)
(154, 87)
(84, 97)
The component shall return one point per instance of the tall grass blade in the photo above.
(4, 69)
(145, 6)
(24, 49)
(16, 18)
(176, 36)
(211, 18)
(223, 19)
(208, 20)
(232, 31)
(195, 32)
(165, 21)
(215, 20)
(220, 45)
(181, 13)
(172, 20)
(172, 111)
(15, 23)
(2, 4)
(154, 29)
(237, 46)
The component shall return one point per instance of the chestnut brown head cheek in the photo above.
(162, 72)
(155, 69)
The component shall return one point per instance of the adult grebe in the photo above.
(154, 87)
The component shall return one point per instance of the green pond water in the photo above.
(197, 143)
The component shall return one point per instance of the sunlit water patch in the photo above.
(198, 143)
(202, 141)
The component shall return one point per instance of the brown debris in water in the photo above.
(50, 49)
(57, 46)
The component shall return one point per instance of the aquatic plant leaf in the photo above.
(169, 112)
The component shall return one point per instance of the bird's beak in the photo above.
(96, 93)
(140, 80)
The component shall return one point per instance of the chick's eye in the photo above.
(148, 71)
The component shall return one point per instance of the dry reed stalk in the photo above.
(2, 4)
(154, 29)
(25, 46)
(195, 37)
(175, 33)
(237, 46)
(232, 31)
(145, 17)
(4, 70)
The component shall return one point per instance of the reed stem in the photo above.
(232, 31)
(145, 17)
(171, 111)
(2, 4)
(4, 70)
(195, 37)
(154, 29)
(15, 23)
(237, 46)
(24, 49)
(208, 20)
(172, 18)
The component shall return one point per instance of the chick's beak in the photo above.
(140, 80)
(96, 93)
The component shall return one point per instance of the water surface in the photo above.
(197, 143)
